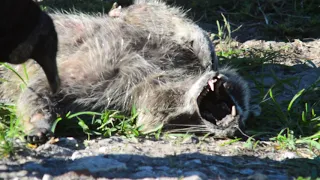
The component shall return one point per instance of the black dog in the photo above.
(26, 32)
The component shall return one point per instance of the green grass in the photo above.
(104, 124)
(10, 130)
(289, 122)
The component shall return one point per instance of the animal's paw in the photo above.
(38, 136)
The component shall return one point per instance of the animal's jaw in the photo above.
(217, 108)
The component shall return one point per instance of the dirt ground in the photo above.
(176, 158)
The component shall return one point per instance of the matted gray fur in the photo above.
(157, 60)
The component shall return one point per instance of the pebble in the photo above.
(21, 173)
(103, 149)
(199, 174)
(289, 155)
(193, 177)
(47, 177)
(3, 167)
(4, 175)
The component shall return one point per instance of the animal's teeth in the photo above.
(233, 111)
(211, 83)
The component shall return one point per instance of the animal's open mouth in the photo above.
(216, 104)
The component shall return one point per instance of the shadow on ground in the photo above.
(182, 165)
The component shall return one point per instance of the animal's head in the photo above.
(222, 102)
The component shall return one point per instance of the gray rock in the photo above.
(289, 155)
(32, 166)
(145, 168)
(47, 177)
(258, 176)
(246, 171)
(195, 175)
(122, 157)
(143, 174)
(223, 160)
(22, 173)
(279, 176)
(163, 168)
(54, 150)
(219, 171)
(68, 142)
(81, 154)
(96, 164)
(179, 171)
(3, 167)
(194, 161)
(18, 174)
(4, 175)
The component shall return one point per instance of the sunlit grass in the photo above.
(288, 122)
(10, 130)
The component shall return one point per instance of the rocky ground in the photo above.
(190, 158)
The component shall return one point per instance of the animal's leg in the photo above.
(34, 108)
(38, 108)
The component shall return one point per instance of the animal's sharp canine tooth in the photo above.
(211, 84)
(233, 111)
